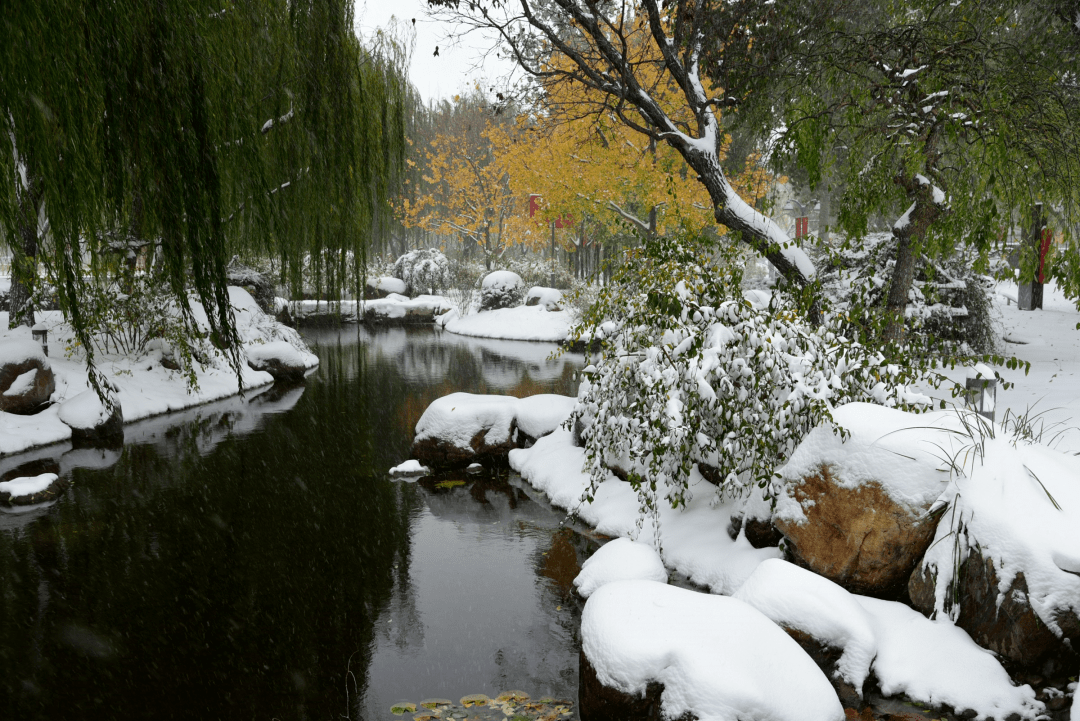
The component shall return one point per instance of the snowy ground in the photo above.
(145, 387)
(526, 322)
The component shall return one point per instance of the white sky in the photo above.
(435, 77)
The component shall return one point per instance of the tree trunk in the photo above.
(24, 256)
(909, 236)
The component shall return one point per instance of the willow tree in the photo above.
(197, 129)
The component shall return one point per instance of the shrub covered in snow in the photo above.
(949, 305)
(535, 271)
(501, 289)
(693, 373)
(424, 271)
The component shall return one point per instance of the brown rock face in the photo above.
(438, 453)
(597, 702)
(282, 371)
(36, 396)
(1011, 630)
(826, 657)
(859, 538)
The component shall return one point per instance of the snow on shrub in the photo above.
(691, 372)
(424, 271)
(501, 289)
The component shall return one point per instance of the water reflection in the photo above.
(244, 558)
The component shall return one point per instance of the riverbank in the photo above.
(145, 386)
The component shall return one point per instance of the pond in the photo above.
(251, 558)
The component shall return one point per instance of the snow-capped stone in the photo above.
(620, 560)
(28, 490)
(91, 421)
(715, 657)
(26, 378)
(279, 358)
(821, 616)
(384, 286)
(547, 298)
(856, 511)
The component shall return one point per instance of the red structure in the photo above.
(802, 226)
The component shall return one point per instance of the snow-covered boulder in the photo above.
(856, 511)
(463, 428)
(822, 617)
(28, 490)
(26, 378)
(752, 515)
(620, 560)
(279, 358)
(382, 287)
(423, 271)
(501, 289)
(547, 298)
(91, 421)
(714, 658)
(1005, 561)
(259, 285)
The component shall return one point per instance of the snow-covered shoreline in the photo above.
(145, 387)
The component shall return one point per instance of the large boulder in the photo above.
(1005, 561)
(26, 378)
(463, 428)
(93, 424)
(501, 289)
(857, 511)
(279, 358)
(376, 288)
(548, 298)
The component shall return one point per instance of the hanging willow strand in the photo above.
(258, 127)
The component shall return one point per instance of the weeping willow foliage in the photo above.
(204, 127)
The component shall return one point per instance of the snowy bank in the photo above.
(525, 322)
(145, 387)
(394, 309)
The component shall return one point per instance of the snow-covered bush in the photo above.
(424, 271)
(691, 372)
(535, 271)
(501, 289)
(949, 306)
(464, 284)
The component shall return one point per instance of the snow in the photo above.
(546, 298)
(799, 599)
(695, 539)
(17, 347)
(22, 384)
(935, 663)
(505, 279)
(521, 323)
(620, 560)
(388, 285)
(411, 467)
(144, 387)
(84, 411)
(28, 485)
(393, 307)
(886, 445)
(459, 417)
(282, 351)
(718, 658)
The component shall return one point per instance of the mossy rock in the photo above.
(514, 697)
(434, 703)
(449, 484)
(476, 699)
(400, 709)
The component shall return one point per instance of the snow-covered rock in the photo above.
(620, 560)
(279, 358)
(411, 467)
(461, 428)
(856, 511)
(822, 617)
(28, 490)
(547, 298)
(501, 289)
(91, 421)
(26, 377)
(531, 323)
(716, 658)
(384, 286)
(1011, 526)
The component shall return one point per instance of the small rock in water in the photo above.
(512, 697)
(411, 467)
(474, 468)
(434, 703)
(476, 699)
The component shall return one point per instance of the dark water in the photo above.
(251, 560)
